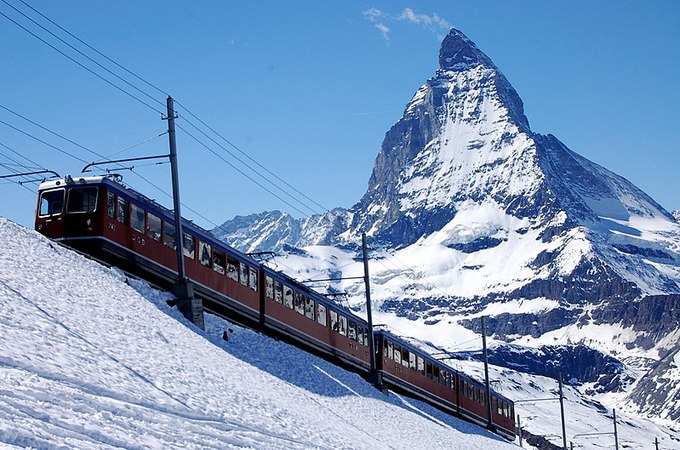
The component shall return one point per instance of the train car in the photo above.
(293, 309)
(109, 221)
(409, 369)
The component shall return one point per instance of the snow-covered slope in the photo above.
(90, 361)
(472, 211)
(676, 214)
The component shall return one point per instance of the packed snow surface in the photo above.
(88, 360)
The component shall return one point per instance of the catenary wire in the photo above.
(151, 107)
(83, 54)
(233, 166)
(230, 153)
(89, 150)
(80, 64)
(244, 153)
(152, 85)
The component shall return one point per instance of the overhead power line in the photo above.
(87, 149)
(149, 96)
(236, 168)
(282, 185)
(237, 148)
(83, 66)
(293, 197)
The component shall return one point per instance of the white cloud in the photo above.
(381, 19)
(433, 21)
(378, 19)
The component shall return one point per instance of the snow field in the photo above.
(90, 361)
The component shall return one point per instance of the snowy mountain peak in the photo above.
(458, 52)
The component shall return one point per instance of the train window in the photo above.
(321, 314)
(420, 364)
(188, 246)
(428, 370)
(343, 325)
(352, 330)
(136, 218)
(360, 334)
(390, 350)
(299, 303)
(278, 291)
(404, 357)
(435, 373)
(243, 274)
(412, 361)
(169, 235)
(335, 323)
(219, 262)
(153, 227)
(441, 375)
(111, 204)
(82, 200)
(288, 296)
(232, 269)
(204, 253)
(309, 308)
(269, 287)
(252, 279)
(51, 202)
(122, 213)
(397, 355)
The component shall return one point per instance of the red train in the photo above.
(103, 218)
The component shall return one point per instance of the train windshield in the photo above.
(82, 200)
(52, 202)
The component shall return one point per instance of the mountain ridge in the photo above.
(467, 208)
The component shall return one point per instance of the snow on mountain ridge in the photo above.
(467, 207)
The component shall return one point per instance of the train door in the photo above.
(49, 219)
(81, 209)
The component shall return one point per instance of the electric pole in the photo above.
(616, 434)
(519, 430)
(191, 307)
(369, 316)
(564, 427)
(489, 418)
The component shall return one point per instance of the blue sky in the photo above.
(309, 88)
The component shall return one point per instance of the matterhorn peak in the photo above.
(459, 52)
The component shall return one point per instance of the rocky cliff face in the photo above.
(472, 212)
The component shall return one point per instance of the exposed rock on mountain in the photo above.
(471, 212)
